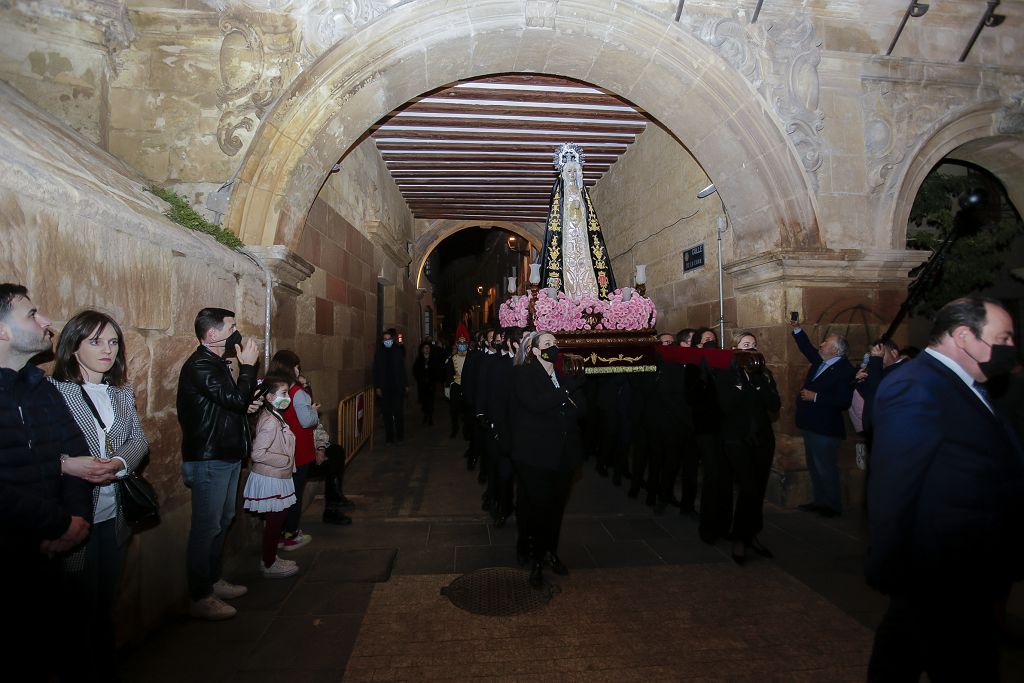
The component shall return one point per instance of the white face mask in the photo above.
(281, 402)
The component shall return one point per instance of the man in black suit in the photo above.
(884, 358)
(826, 394)
(946, 502)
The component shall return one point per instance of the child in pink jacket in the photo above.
(269, 489)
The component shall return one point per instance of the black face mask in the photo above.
(233, 339)
(1002, 361)
(549, 354)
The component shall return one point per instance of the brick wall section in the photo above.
(344, 311)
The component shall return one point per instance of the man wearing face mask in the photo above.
(390, 384)
(945, 501)
(215, 439)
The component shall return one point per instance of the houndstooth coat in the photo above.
(126, 436)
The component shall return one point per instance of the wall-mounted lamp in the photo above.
(480, 289)
(512, 242)
(914, 9)
(990, 19)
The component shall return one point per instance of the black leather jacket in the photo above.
(212, 408)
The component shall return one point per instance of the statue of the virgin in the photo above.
(575, 259)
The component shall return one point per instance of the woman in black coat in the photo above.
(427, 372)
(547, 448)
(748, 400)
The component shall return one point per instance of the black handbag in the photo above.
(138, 497)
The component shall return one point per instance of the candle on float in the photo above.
(511, 284)
(534, 273)
(641, 274)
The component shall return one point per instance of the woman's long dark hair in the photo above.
(88, 325)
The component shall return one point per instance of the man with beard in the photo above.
(43, 512)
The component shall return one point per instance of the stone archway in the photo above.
(418, 47)
(972, 136)
(438, 231)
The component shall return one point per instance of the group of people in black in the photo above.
(684, 430)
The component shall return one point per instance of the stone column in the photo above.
(853, 292)
(287, 269)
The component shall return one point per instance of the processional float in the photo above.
(573, 294)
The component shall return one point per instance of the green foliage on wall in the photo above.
(973, 262)
(182, 213)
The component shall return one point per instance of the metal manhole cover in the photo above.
(498, 592)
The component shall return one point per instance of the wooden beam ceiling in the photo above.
(483, 150)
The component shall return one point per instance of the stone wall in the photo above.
(649, 199)
(80, 230)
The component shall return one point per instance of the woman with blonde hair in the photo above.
(547, 448)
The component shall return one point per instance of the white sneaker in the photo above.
(294, 542)
(279, 570)
(211, 608)
(228, 591)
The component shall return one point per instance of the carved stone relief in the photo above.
(257, 57)
(781, 61)
(897, 116)
(1010, 119)
(322, 23)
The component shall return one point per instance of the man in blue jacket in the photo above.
(825, 395)
(43, 512)
(946, 502)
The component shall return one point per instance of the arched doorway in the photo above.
(713, 111)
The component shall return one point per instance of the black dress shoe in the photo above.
(537, 575)
(552, 562)
(759, 548)
(331, 517)
(739, 559)
(828, 512)
(808, 507)
(499, 521)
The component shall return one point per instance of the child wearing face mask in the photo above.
(269, 490)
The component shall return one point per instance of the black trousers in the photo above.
(425, 393)
(715, 490)
(544, 493)
(499, 479)
(948, 637)
(393, 408)
(334, 476)
(457, 411)
(688, 468)
(294, 518)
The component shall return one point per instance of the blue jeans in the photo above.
(822, 454)
(214, 485)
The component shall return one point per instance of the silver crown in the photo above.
(568, 151)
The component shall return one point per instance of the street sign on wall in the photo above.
(693, 258)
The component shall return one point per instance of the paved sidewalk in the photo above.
(646, 599)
